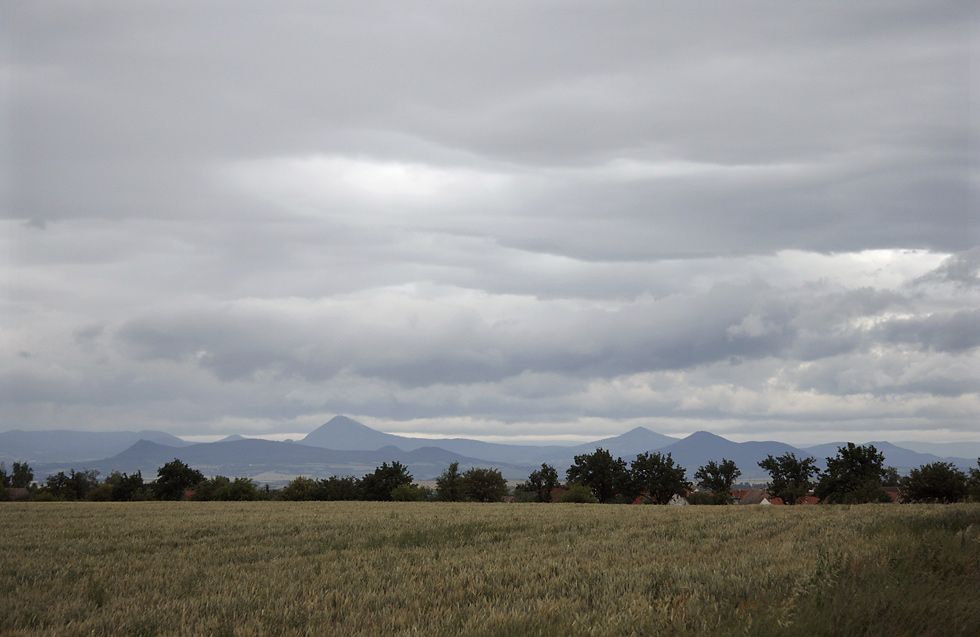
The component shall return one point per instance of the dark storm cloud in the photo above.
(231, 215)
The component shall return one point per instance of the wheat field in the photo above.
(365, 568)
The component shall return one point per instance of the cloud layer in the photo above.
(519, 220)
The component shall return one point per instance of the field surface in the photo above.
(362, 568)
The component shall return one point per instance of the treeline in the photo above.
(855, 475)
(175, 481)
(394, 483)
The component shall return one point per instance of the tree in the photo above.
(21, 475)
(973, 485)
(791, 477)
(541, 482)
(225, 489)
(239, 490)
(73, 486)
(936, 482)
(174, 479)
(718, 478)
(484, 485)
(890, 477)
(345, 488)
(384, 480)
(600, 473)
(300, 488)
(450, 486)
(853, 476)
(656, 476)
(125, 488)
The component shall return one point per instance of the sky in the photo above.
(511, 221)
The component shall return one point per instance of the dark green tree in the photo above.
(973, 484)
(174, 479)
(340, 488)
(853, 476)
(126, 488)
(21, 476)
(224, 489)
(300, 488)
(718, 478)
(209, 489)
(935, 482)
(657, 477)
(484, 485)
(450, 486)
(600, 473)
(74, 485)
(541, 482)
(790, 477)
(384, 480)
(890, 477)
(239, 490)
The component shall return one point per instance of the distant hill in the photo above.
(341, 432)
(702, 447)
(343, 446)
(65, 445)
(902, 459)
(252, 457)
(629, 444)
(945, 449)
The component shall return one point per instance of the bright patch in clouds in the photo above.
(338, 185)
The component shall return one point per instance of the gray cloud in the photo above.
(470, 218)
(948, 332)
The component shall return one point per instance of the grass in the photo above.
(361, 568)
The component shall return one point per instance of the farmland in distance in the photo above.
(366, 568)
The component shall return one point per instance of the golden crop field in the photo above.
(365, 568)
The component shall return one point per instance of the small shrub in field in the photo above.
(579, 493)
(701, 497)
(407, 493)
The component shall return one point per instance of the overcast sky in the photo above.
(499, 220)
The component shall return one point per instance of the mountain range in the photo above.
(343, 446)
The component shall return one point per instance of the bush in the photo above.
(101, 493)
(701, 497)
(521, 494)
(579, 493)
(408, 493)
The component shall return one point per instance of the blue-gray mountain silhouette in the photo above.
(74, 446)
(341, 432)
(343, 446)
